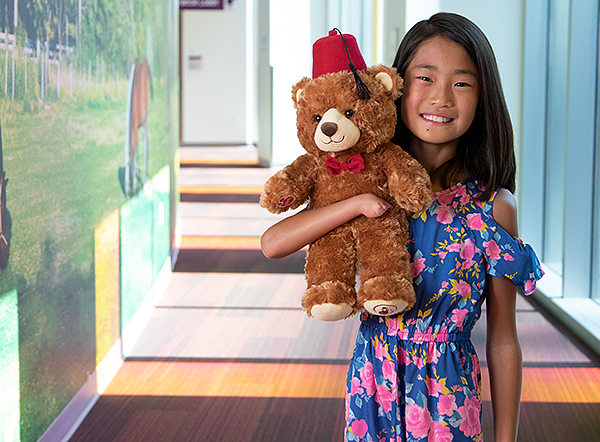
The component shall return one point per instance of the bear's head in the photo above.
(331, 118)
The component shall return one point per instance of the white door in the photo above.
(213, 76)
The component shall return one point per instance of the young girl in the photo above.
(416, 376)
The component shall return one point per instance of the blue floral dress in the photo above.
(416, 376)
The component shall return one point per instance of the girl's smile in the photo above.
(437, 118)
(441, 92)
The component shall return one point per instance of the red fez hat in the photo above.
(334, 53)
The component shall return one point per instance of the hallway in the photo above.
(230, 356)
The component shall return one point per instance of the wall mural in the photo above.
(88, 136)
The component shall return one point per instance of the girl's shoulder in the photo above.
(504, 211)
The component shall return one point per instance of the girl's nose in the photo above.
(442, 95)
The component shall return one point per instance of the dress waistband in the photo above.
(419, 336)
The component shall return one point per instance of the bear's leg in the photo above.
(331, 276)
(386, 283)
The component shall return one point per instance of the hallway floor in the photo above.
(230, 356)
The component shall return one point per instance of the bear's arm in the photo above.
(290, 187)
(408, 181)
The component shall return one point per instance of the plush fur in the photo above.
(377, 245)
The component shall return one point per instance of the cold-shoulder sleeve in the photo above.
(504, 255)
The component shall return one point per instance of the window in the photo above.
(556, 135)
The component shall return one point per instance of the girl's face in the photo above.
(440, 95)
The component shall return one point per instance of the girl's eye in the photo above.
(424, 78)
(462, 84)
(318, 118)
(349, 113)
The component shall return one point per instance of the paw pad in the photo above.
(285, 201)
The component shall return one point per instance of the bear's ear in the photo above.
(297, 90)
(385, 80)
(388, 78)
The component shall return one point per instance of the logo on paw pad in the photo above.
(285, 201)
(385, 309)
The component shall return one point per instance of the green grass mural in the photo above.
(9, 368)
(82, 253)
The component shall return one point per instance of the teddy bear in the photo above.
(346, 117)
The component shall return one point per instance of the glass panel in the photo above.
(558, 72)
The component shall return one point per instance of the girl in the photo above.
(416, 376)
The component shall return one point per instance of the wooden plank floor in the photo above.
(229, 355)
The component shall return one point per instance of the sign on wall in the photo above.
(201, 4)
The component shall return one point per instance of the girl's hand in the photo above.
(372, 206)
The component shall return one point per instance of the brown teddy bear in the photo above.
(345, 120)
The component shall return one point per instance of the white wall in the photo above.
(291, 59)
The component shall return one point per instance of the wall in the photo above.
(85, 226)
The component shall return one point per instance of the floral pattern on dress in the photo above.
(416, 376)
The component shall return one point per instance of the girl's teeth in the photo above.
(437, 119)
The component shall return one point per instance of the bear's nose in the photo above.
(329, 128)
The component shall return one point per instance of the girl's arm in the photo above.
(295, 232)
(503, 349)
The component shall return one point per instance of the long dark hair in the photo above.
(486, 150)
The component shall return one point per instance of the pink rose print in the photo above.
(355, 387)
(474, 221)
(492, 249)
(433, 354)
(470, 412)
(454, 247)
(439, 433)
(434, 387)
(442, 255)
(418, 362)
(380, 351)
(445, 199)
(458, 317)
(384, 398)
(368, 378)
(418, 420)
(393, 325)
(359, 428)
(463, 289)
(447, 405)
(529, 287)
(389, 370)
(445, 214)
(467, 253)
(417, 266)
(462, 190)
(475, 379)
(404, 357)
(507, 257)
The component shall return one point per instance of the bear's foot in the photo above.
(386, 295)
(329, 301)
(385, 308)
(331, 312)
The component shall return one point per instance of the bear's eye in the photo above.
(349, 113)
(318, 118)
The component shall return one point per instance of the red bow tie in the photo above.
(355, 164)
